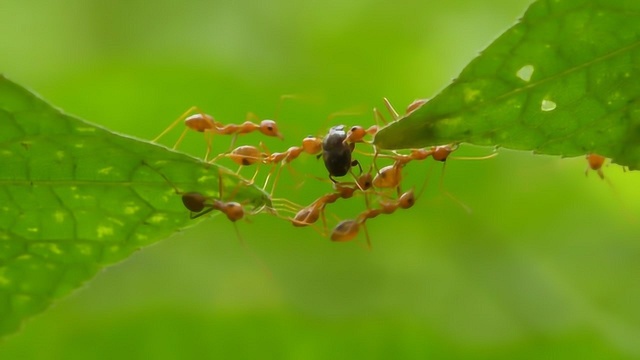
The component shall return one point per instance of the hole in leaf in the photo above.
(548, 105)
(525, 72)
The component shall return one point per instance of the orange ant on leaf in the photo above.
(199, 204)
(391, 176)
(357, 133)
(595, 163)
(197, 120)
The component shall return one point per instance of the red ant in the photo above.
(595, 163)
(248, 155)
(347, 230)
(200, 205)
(311, 145)
(391, 176)
(311, 213)
(357, 132)
(207, 124)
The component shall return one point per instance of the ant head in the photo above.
(365, 181)
(269, 128)
(234, 211)
(199, 122)
(312, 144)
(346, 230)
(194, 201)
(415, 105)
(355, 134)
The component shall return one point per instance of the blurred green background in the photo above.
(547, 265)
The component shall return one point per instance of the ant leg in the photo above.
(284, 205)
(474, 158)
(275, 180)
(366, 234)
(176, 121)
(392, 111)
(184, 132)
(208, 138)
(280, 101)
(253, 178)
(233, 142)
(595, 163)
(378, 118)
(450, 195)
(203, 212)
(220, 183)
(354, 111)
(356, 162)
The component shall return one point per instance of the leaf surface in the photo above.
(563, 81)
(75, 197)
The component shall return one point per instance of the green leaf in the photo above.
(75, 197)
(562, 81)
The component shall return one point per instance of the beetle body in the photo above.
(336, 153)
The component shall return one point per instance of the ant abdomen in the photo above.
(200, 122)
(346, 230)
(194, 201)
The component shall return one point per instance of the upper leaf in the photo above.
(562, 81)
(75, 197)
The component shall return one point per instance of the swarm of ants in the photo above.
(337, 148)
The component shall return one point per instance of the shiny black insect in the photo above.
(336, 153)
